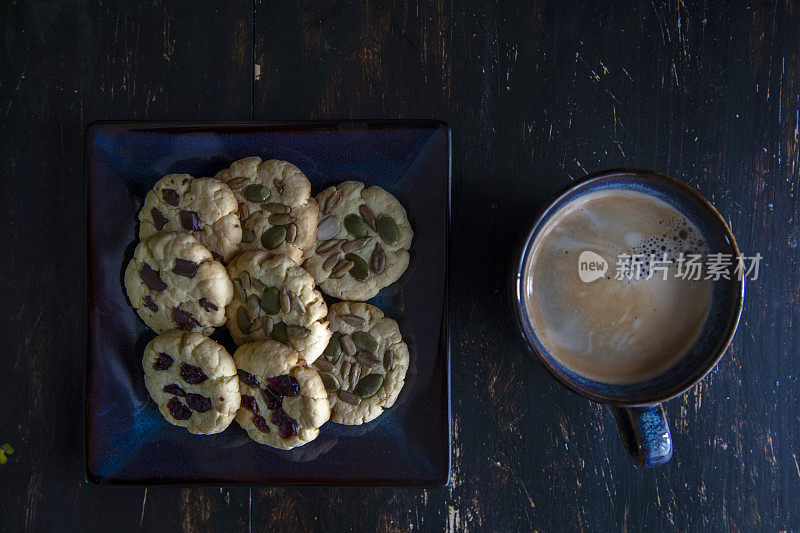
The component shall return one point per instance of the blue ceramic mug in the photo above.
(637, 406)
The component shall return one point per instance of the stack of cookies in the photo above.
(251, 249)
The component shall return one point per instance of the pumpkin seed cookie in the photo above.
(364, 366)
(363, 240)
(193, 380)
(283, 400)
(274, 298)
(277, 210)
(174, 283)
(205, 207)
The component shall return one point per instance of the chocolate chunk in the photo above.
(174, 389)
(158, 218)
(185, 320)
(190, 220)
(208, 305)
(162, 362)
(198, 402)
(170, 196)
(247, 378)
(260, 423)
(192, 374)
(178, 410)
(185, 268)
(152, 278)
(149, 303)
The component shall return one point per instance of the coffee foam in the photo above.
(609, 330)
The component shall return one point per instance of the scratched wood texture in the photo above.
(537, 94)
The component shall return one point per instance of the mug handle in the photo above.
(645, 434)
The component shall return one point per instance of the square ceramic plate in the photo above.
(127, 439)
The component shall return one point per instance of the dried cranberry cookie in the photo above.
(204, 207)
(193, 380)
(363, 240)
(283, 400)
(175, 283)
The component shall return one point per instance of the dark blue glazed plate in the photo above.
(127, 439)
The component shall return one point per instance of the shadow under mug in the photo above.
(637, 406)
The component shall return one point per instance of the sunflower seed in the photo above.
(297, 303)
(285, 307)
(327, 228)
(257, 285)
(239, 290)
(297, 332)
(388, 360)
(367, 359)
(253, 220)
(323, 364)
(245, 277)
(291, 232)
(355, 375)
(237, 183)
(244, 211)
(329, 381)
(331, 261)
(368, 216)
(348, 346)
(330, 201)
(329, 246)
(341, 268)
(280, 220)
(349, 397)
(253, 305)
(352, 246)
(377, 261)
(267, 323)
(274, 207)
(354, 320)
(344, 371)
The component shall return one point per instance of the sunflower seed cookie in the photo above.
(193, 380)
(204, 207)
(277, 210)
(275, 299)
(283, 400)
(174, 283)
(364, 365)
(363, 240)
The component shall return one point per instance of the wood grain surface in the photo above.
(537, 94)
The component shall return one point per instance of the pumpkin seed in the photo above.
(360, 270)
(331, 200)
(331, 261)
(273, 237)
(341, 268)
(242, 320)
(297, 303)
(270, 301)
(368, 385)
(248, 236)
(252, 306)
(297, 332)
(285, 307)
(388, 360)
(237, 183)
(368, 216)
(256, 193)
(243, 211)
(280, 333)
(329, 245)
(257, 285)
(387, 229)
(253, 220)
(377, 261)
(267, 323)
(352, 246)
(367, 359)
(291, 232)
(323, 364)
(281, 220)
(239, 290)
(245, 278)
(280, 209)
(349, 397)
(347, 344)
(327, 228)
(364, 341)
(334, 350)
(353, 320)
(329, 381)
(355, 225)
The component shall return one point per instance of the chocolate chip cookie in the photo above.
(283, 401)
(276, 208)
(193, 380)
(363, 238)
(204, 207)
(364, 365)
(174, 283)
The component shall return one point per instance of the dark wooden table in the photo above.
(537, 94)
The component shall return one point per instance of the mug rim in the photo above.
(526, 248)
